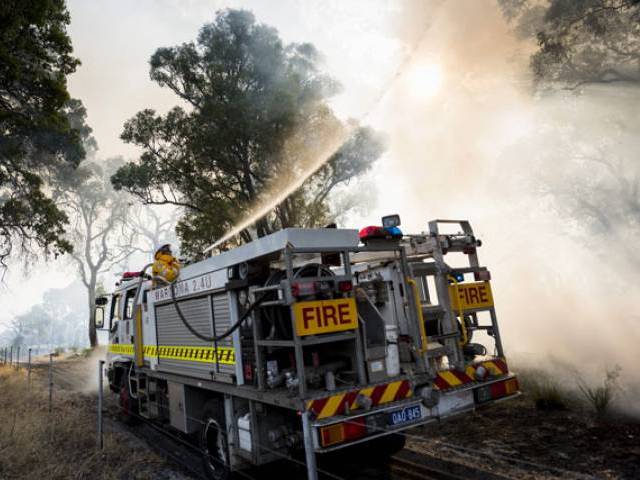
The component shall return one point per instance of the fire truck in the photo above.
(307, 341)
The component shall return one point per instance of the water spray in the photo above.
(279, 195)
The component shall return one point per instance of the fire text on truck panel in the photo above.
(325, 316)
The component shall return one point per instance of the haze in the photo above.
(448, 84)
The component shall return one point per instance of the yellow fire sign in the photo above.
(325, 316)
(469, 296)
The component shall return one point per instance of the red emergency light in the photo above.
(372, 232)
(128, 275)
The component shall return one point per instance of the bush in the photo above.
(544, 390)
(599, 397)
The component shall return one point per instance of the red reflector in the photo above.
(131, 274)
(332, 434)
(498, 390)
(372, 232)
(345, 286)
(356, 428)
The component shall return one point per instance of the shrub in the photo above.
(544, 390)
(599, 397)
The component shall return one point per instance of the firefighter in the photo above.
(165, 266)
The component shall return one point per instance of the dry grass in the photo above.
(35, 444)
(599, 397)
(543, 389)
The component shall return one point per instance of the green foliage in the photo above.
(37, 136)
(257, 117)
(599, 397)
(580, 42)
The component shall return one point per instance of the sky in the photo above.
(449, 86)
(115, 39)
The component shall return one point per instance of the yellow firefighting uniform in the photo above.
(165, 266)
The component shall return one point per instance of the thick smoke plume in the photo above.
(549, 182)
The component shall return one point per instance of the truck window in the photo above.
(115, 307)
(130, 298)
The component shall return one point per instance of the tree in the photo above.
(257, 115)
(98, 230)
(37, 138)
(580, 42)
(152, 227)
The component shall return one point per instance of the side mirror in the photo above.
(391, 221)
(99, 317)
(102, 301)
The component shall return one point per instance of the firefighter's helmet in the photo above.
(165, 248)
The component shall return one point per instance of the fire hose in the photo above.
(215, 338)
(172, 288)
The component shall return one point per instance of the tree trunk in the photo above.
(91, 296)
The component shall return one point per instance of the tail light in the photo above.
(497, 390)
(356, 428)
(343, 431)
(345, 286)
(302, 289)
(332, 434)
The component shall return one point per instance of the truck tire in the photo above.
(128, 405)
(213, 442)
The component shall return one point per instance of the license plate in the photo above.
(405, 415)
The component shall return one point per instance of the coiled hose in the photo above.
(215, 338)
(172, 288)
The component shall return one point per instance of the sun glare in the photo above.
(425, 80)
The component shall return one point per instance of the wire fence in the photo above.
(23, 358)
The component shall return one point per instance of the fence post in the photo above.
(29, 370)
(100, 393)
(50, 381)
(310, 455)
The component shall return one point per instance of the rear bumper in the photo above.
(437, 406)
(376, 421)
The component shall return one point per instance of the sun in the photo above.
(425, 80)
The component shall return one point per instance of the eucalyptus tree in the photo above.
(254, 116)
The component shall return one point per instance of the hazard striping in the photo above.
(454, 378)
(221, 355)
(348, 401)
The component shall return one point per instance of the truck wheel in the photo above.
(128, 405)
(213, 442)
